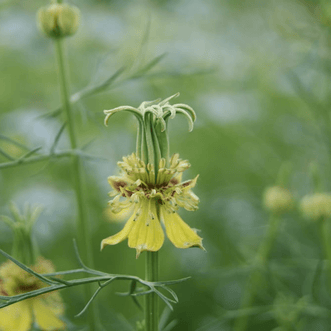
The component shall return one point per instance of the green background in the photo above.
(257, 73)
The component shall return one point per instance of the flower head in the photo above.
(44, 309)
(161, 109)
(278, 199)
(316, 206)
(154, 198)
(58, 20)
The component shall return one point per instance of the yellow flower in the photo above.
(153, 201)
(44, 309)
(278, 199)
(316, 206)
(58, 20)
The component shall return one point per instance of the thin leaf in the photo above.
(27, 269)
(88, 144)
(172, 292)
(89, 302)
(14, 142)
(98, 88)
(161, 295)
(7, 156)
(16, 212)
(51, 114)
(149, 66)
(80, 261)
(170, 326)
(126, 294)
(132, 289)
(101, 286)
(62, 281)
(164, 318)
(171, 282)
(164, 298)
(29, 154)
(142, 293)
(57, 138)
(7, 220)
(68, 272)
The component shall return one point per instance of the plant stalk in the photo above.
(325, 234)
(255, 278)
(82, 222)
(151, 300)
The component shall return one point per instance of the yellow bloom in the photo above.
(278, 199)
(316, 206)
(58, 20)
(153, 201)
(44, 309)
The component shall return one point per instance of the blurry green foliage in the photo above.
(257, 74)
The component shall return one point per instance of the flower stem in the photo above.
(151, 300)
(255, 278)
(82, 223)
(325, 234)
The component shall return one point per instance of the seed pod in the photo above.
(58, 20)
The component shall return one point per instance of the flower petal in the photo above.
(120, 236)
(45, 316)
(147, 233)
(16, 317)
(178, 232)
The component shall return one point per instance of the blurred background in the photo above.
(257, 73)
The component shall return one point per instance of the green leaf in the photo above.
(57, 138)
(170, 326)
(7, 156)
(27, 269)
(14, 142)
(149, 66)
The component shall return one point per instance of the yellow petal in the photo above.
(120, 236)
(147, 233)
(46, 317)
(120, 216)
(137, 230)
(179, 233)
(16, 317)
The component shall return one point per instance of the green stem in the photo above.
(151, 301)
(47, 157)
(255, 278)
(82, 224)
(325, 234)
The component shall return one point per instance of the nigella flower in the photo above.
(44, 310)
(153, 200)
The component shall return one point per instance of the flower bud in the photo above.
(58, 20)
(278, 199)
(316, 206)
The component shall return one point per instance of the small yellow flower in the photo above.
(316, 206)
(58, 20)
(278, 199)
(44, 309)
(153, 201)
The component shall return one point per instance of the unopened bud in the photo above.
(316, 206)
(58, 20)
(278, 199)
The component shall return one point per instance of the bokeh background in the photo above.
(257, 73)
